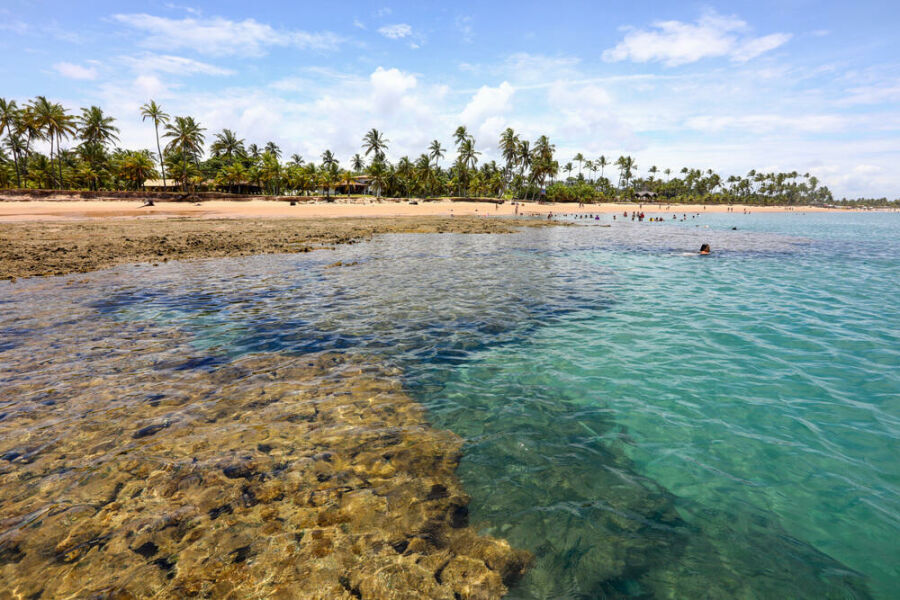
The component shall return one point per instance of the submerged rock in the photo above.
(227, 496)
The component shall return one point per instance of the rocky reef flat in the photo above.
(139, 474)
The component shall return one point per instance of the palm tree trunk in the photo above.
(162, 166)
(15, 157)
(59, 160)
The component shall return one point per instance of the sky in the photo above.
(805, 85)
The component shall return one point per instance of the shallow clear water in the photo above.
(648, 422)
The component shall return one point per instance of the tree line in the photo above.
(527, 170)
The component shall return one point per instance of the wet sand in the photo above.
(29, 249)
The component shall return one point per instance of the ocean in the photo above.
(646, 421)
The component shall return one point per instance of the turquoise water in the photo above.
(648, 422)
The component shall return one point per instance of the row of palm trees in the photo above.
(526, 169)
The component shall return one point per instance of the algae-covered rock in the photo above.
(268, 477)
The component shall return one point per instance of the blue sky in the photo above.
(788, 85)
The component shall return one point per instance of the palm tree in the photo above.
(667, 172)
(227, 145)
(378, 173)
(468, 158)
(329, 164)
(357, 163)
(374, 142)
(296, 160)
(273, 149)
(186, 138)
(425, 174)
(152, 111)
(435, 151)
(568, 168)
(461, 134)
(136, 167)
(405, 171)
(509, 147)
(9, 114)
(601, 162)
(579, 158)
(346, 178)
(97, 128)
(56, 124)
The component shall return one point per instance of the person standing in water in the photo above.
(704, 249)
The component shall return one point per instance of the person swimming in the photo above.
(704, 249)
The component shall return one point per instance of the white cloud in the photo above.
(676, 43)
(218, 36)
(487, 102)
(887, 92)
(174, 65)
(73, 71)
(769, 123)
(752, 48)
(389, 87)
(396, 32)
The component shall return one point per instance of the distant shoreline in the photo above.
(310, 208)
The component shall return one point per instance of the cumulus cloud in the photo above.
(396, 32)
(218, 36)
(676, 43)
(487, 102)
(175, 65)
(73, 71)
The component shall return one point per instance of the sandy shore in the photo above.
(44, 247)
(13, 211)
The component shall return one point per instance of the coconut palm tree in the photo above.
(273, 149)
(509, 146)
(602, 163)
(330, 167)
(185, 137)
(378, 172)
(94, 127)
(152, 111)
(435, 151)
(56, 124)
(579, 158)
(468, 158)
(136, 167)
(405, 172)
(374, 142)
(461, 134)
(357, 163)
(426, 174)
(9, 114)
(227, 145)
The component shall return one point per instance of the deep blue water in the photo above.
(649, 422)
